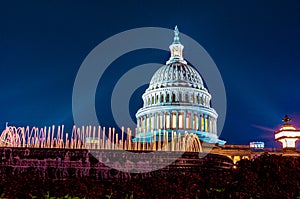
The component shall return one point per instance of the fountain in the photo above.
(95, 138)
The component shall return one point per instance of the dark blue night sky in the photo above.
(255, 45)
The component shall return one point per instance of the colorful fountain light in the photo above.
(94, 137)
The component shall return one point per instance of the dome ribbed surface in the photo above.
(176, 74)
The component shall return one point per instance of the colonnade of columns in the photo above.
(176, 96)
(177, 120)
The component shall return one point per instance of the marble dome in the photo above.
(177, 101)
(178, 75)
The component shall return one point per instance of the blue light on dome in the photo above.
(176, 101)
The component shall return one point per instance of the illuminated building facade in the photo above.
(177, 101)
(257, 145)
(287, 135)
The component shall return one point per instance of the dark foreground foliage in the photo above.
(268, 176)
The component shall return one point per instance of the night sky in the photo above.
(255, 45)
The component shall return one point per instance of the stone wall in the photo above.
(105, 164)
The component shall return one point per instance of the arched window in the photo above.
(180, 97)
(167, 120)
(168, 97)
(162, 98)
(188, 121)
(186, 97)
(192, 98)
(173, 97)
(194, 121)
(160, 121)
(202, 123)
(180, 120)
(207, 123)
(147, 123)
(174, 120)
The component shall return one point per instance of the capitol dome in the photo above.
(178, 75)
(176, 101)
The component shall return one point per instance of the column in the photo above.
(204, 123)
(144, 126)
(148, 122)
(184, 120)
(179, 96)
(197, 122)
(156, 121)
(212, 126)
(138, 122)
(177, 121)
(191, 120)
(153, 122)
(166, 114)
(208, 125)
(216, 129)
(159, 96)
(163, 120)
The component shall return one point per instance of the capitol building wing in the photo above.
(177, 101)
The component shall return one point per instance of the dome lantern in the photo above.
(176, 49)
